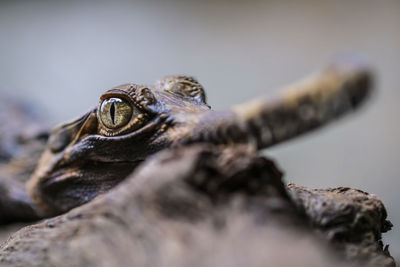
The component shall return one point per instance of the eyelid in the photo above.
(115, 93)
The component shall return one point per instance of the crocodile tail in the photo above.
(304, 106)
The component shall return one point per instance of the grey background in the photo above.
(63, 55)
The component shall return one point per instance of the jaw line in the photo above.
(84, 147)
(60, 175)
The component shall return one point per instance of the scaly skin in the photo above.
(87, 157)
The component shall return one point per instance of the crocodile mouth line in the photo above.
(62, 174)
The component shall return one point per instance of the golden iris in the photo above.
(115, 112)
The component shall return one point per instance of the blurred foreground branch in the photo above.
(208, 206)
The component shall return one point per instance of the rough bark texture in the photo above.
(351, 219)
(208, 206)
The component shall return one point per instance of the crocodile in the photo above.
(92, 154)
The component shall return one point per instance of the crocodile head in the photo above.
(92, 154)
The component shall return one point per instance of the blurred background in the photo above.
(64, 54)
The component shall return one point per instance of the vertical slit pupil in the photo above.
(112, 112)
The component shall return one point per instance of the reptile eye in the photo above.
(115, 112)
